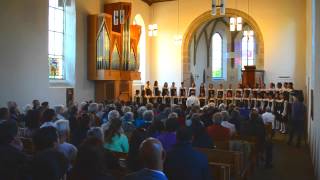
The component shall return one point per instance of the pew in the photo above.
(231, 162)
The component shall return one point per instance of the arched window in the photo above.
(217, 59)
(138, 20)
(247, 51)
(56, 40)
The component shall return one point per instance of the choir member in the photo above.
(173, 93)
(253, 98)
(246, 97)
(220, 95)
(192, 90)
(157, 93)
(279, 111)
(183, 94)
(238, 96)
(137, 97)
(211, 93)
(165, 94)
(144, 97)
(148, 89)
(229, 95)
(202, 95)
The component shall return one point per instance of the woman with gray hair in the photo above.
(96, 132)
(139, 119)
(127, 122)
(59, 109)
(216, 131)
(69, 150)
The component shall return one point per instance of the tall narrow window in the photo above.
(217, 62)
(247, 51)
(56, 40)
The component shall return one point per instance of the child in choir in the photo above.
(137, 97)
(192, 90)
(165, 94)
(148, 91)
(173, 93)
(157, 92)
(246, 97)
(183, 94)
(279, 111)
(202, 95)
(229, 95)
(238, 97)
(220, 95)
(144, 97)
(253, 98)
(211, 93)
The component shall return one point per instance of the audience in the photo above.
(216, 131)
(114, 139)
(183, 162)
(48, 163)
(100, 132)
(90, 163)
(48, 118)
(168, 137)
(12, 160)
(69, 150)
(152, 156)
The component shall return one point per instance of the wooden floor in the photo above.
(289, 163)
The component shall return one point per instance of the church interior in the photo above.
(118, 89)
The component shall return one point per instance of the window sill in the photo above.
(59, 84)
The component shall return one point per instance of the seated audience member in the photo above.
(94, 119)
(59, 112)
(48, 118)
(114, 139)
(168, 137)
(236, 119)
(12, 160)
(48, 163)
(181, 119)
(35, 104)
(114, 114)
(14, 113)
(100, 112)
(268, 117)
(201, 139)
(80, 133)
(4, 114)
(152, 156)
(44, 106)
(32, 120)
(183, 162)
(69, 150)
(137, 136)
(216, 131)
(155, 128)
(127, 122)
(95, 132)
(90, 163)
(225, 123)
(139, 120)
(148, 117)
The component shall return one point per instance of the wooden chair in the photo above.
(228, 161)
(27, 145)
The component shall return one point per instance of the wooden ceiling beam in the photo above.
(150, 2)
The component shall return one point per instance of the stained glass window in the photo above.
(56, 40)
(217, 62)
(247, 51)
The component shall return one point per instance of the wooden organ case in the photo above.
(113, 54)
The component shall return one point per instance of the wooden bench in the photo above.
(230, 161)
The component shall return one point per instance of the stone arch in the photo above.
(206, 17)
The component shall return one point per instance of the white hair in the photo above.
(222, 107)
(59, 109)
(62, 127)
(96, 132)
(113, 115)
(192, 101)
(27, 108)
(93, 108)
(148, 115)
(141, 110)
(173, 115)
(126, 109)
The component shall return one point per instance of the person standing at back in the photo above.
(183, 162)
(298, 113)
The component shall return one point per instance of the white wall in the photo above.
(282, 22)
(313, 62)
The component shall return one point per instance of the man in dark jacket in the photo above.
(183, 162)
(298, 114)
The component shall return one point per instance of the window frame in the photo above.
(246, 60)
